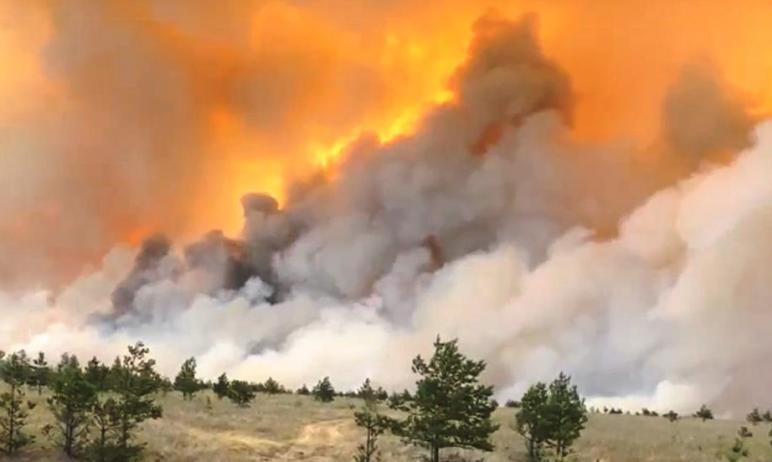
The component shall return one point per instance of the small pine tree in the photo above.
(739, 451)
(373, 423)
(97, 374)
(767, 416)
(303, 391)
(40, 372)
(754, 417)
(186, 381)
(530, 422)
(71, 403)
(551, 417)
(704, 413)
(221, 387)
(272, 387)
(13, 416)
(106, 421)
(671, 416)
(324, 391)
(135, 383)
(450, 408)
(241, 393)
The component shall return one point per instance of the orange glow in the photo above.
(272, 91)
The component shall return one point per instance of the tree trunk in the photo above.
(435, 453)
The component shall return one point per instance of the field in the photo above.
(297, 428)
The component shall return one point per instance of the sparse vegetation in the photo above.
(102, 414)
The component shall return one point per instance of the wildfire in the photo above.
(264, 92)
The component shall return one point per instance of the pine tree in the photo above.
(272, 387)
(40, 372)
(135, 382)
(530, 423)
(221, 387)
(303, 391)
(704, 413)
(671, 416)
(71, 403)
(551, 417)
(450, 408)
(241, 393)
(754, 417)
(186, 381)
(106, 420)
(15, 372)
(567, 415)
(324, 391)
(373, 423)
(97, 374)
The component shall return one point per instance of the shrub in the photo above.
(671, 416)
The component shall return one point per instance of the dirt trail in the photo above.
(318, 441)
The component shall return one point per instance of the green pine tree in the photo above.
(186, 381)
(372, 422)
(97, 374)
(450, 408)
(551, 417)
(704, 413)
(135, 384)
(530, 423)
(241, 393)
(40, 372)
(106, 422)
(221, 387)
(71, 403)
(15, 372)
(272, 387)
(324, 391)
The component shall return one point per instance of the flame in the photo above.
(276, 90)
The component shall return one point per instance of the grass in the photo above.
(297, 428)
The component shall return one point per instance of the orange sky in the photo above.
(264, 91)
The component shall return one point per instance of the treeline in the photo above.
(96, 409)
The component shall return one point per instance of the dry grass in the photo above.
(296, 428)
